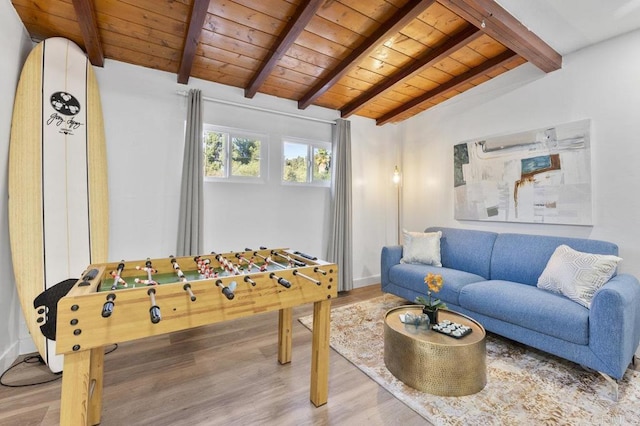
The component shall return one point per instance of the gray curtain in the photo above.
(340, 245)
(191, 203)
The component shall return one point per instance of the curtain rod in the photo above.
(256, 108)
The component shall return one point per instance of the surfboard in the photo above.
(58, 197)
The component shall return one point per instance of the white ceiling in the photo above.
(569, 25)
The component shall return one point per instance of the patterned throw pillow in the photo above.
(577, 275)
(421, 247)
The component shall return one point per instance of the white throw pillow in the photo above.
(421, 247)
(577, 275)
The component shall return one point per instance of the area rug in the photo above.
(524, 386)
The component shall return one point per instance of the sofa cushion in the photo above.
(529, 307)
(466, 250)
(421, 247)
(577, 275)
(411, 276)
(522, 258)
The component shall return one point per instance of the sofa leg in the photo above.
(614, 385)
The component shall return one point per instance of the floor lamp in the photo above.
(396, 182)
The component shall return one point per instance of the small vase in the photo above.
(432, 314)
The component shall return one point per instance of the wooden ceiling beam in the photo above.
(198, 13)
(391, 27)
(86, 13)
(452, 84)
(506, 29)
(455, 43)
(295, 26)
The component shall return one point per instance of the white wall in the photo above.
(601, 83)
(375, 152)
(144, 128)
(270, 214)
(15, 45)
(144, 121)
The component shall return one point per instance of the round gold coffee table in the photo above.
(433, 362)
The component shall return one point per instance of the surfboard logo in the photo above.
(66, 104)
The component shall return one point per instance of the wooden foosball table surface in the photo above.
(128, 300)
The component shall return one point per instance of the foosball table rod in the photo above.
(306, 277)
(268, 259)
(116, 277)
(250, 263)
(186, 287)
(320, 271)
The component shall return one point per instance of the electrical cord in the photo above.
(32, 359)
(37, 359)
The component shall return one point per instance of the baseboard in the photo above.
(363, 282)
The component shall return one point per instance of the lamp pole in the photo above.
(396, 182)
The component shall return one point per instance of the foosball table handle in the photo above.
(107, 308)
(305, 255)
(282, 281)
(154, 313)
(227, 291)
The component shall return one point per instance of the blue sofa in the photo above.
(492, 278)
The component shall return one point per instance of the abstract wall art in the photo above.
(537, 176)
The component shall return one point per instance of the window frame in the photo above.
(232, 133)
(311, 146)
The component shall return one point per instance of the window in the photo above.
(306, 162)
(234, 154)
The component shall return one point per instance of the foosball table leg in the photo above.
(96, 373)
(81, 399)
(285, 324)
(319, 387)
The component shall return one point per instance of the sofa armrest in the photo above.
(390, 256)
(614, 322)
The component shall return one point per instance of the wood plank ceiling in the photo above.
(382, 59)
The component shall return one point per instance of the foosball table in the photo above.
(123, 301)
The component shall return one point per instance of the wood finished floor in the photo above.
(224, 374)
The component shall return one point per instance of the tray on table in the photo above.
(451, 329)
